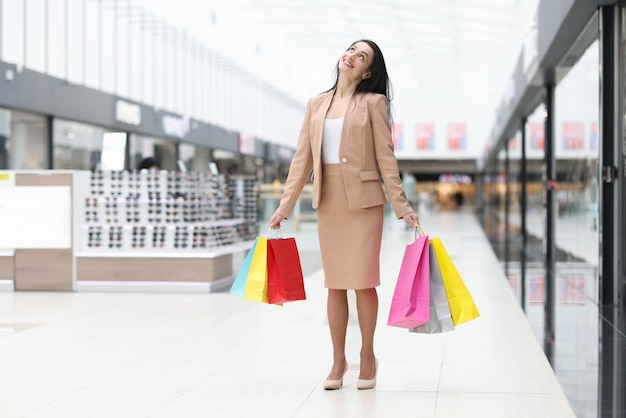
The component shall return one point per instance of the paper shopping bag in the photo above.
(410, 304)
(285, 282)
(440, 316)
(239, 284)
(256, 283)
(461, 303)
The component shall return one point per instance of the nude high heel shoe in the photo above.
(362, 384)
(333, 384)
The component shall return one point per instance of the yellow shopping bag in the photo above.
(238, 287)
(256, 283)
(462, 306)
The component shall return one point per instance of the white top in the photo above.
(331, 136)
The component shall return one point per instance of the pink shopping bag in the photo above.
(410, 304)
(440, 315)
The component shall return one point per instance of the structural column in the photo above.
(550, 260)
(523, 209)
(612, 320)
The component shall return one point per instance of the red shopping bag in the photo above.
(410, 306)
(285, 282)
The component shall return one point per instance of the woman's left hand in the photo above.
(412, 219)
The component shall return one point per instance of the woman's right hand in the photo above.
(275, 221)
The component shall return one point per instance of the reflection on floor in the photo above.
(214, 355)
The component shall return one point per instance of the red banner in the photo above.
(246, 144)
(514, 282)
(536, 135)
(573, 289)
(396, 136)
(425, 136)
(537, 292)
(456, 136)
(573, 135)
(593, 135)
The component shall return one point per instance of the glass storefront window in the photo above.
(576, 232)
(513, 249)
(27, 144)
(145, 146)
(493, 218)
(77, 146)
(576, 224)
(5, 132)
(201, 160)
(195, 159)
(248, 165)
(186, 154)
(535, 221)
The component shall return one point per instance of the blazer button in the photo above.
(344, 160)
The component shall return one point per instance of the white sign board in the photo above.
(7, 179)
(35, 217)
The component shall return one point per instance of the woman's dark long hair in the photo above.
(378, 81)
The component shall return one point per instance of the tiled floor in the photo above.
(214, 355)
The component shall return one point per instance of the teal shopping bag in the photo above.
(239, 285)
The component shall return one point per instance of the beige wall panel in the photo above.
(43, 269)
(7, 268)
(153, 269)
(43, 180)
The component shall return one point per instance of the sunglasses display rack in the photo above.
(244, 197)
(167, 211)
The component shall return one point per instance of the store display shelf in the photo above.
(156, 287)
(169, 226)
(194, 253)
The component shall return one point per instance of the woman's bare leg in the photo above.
(367, 307)
(337, 310)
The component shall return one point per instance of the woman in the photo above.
(345, 140)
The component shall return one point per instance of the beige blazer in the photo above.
(366, 155)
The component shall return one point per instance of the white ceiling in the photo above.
(440, 54)
(434, 48)
(438, 50)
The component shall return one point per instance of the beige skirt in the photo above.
(349, 239)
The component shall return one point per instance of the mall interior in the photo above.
(114, 281)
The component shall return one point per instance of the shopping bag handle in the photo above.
(274, 233)
(419, 231)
